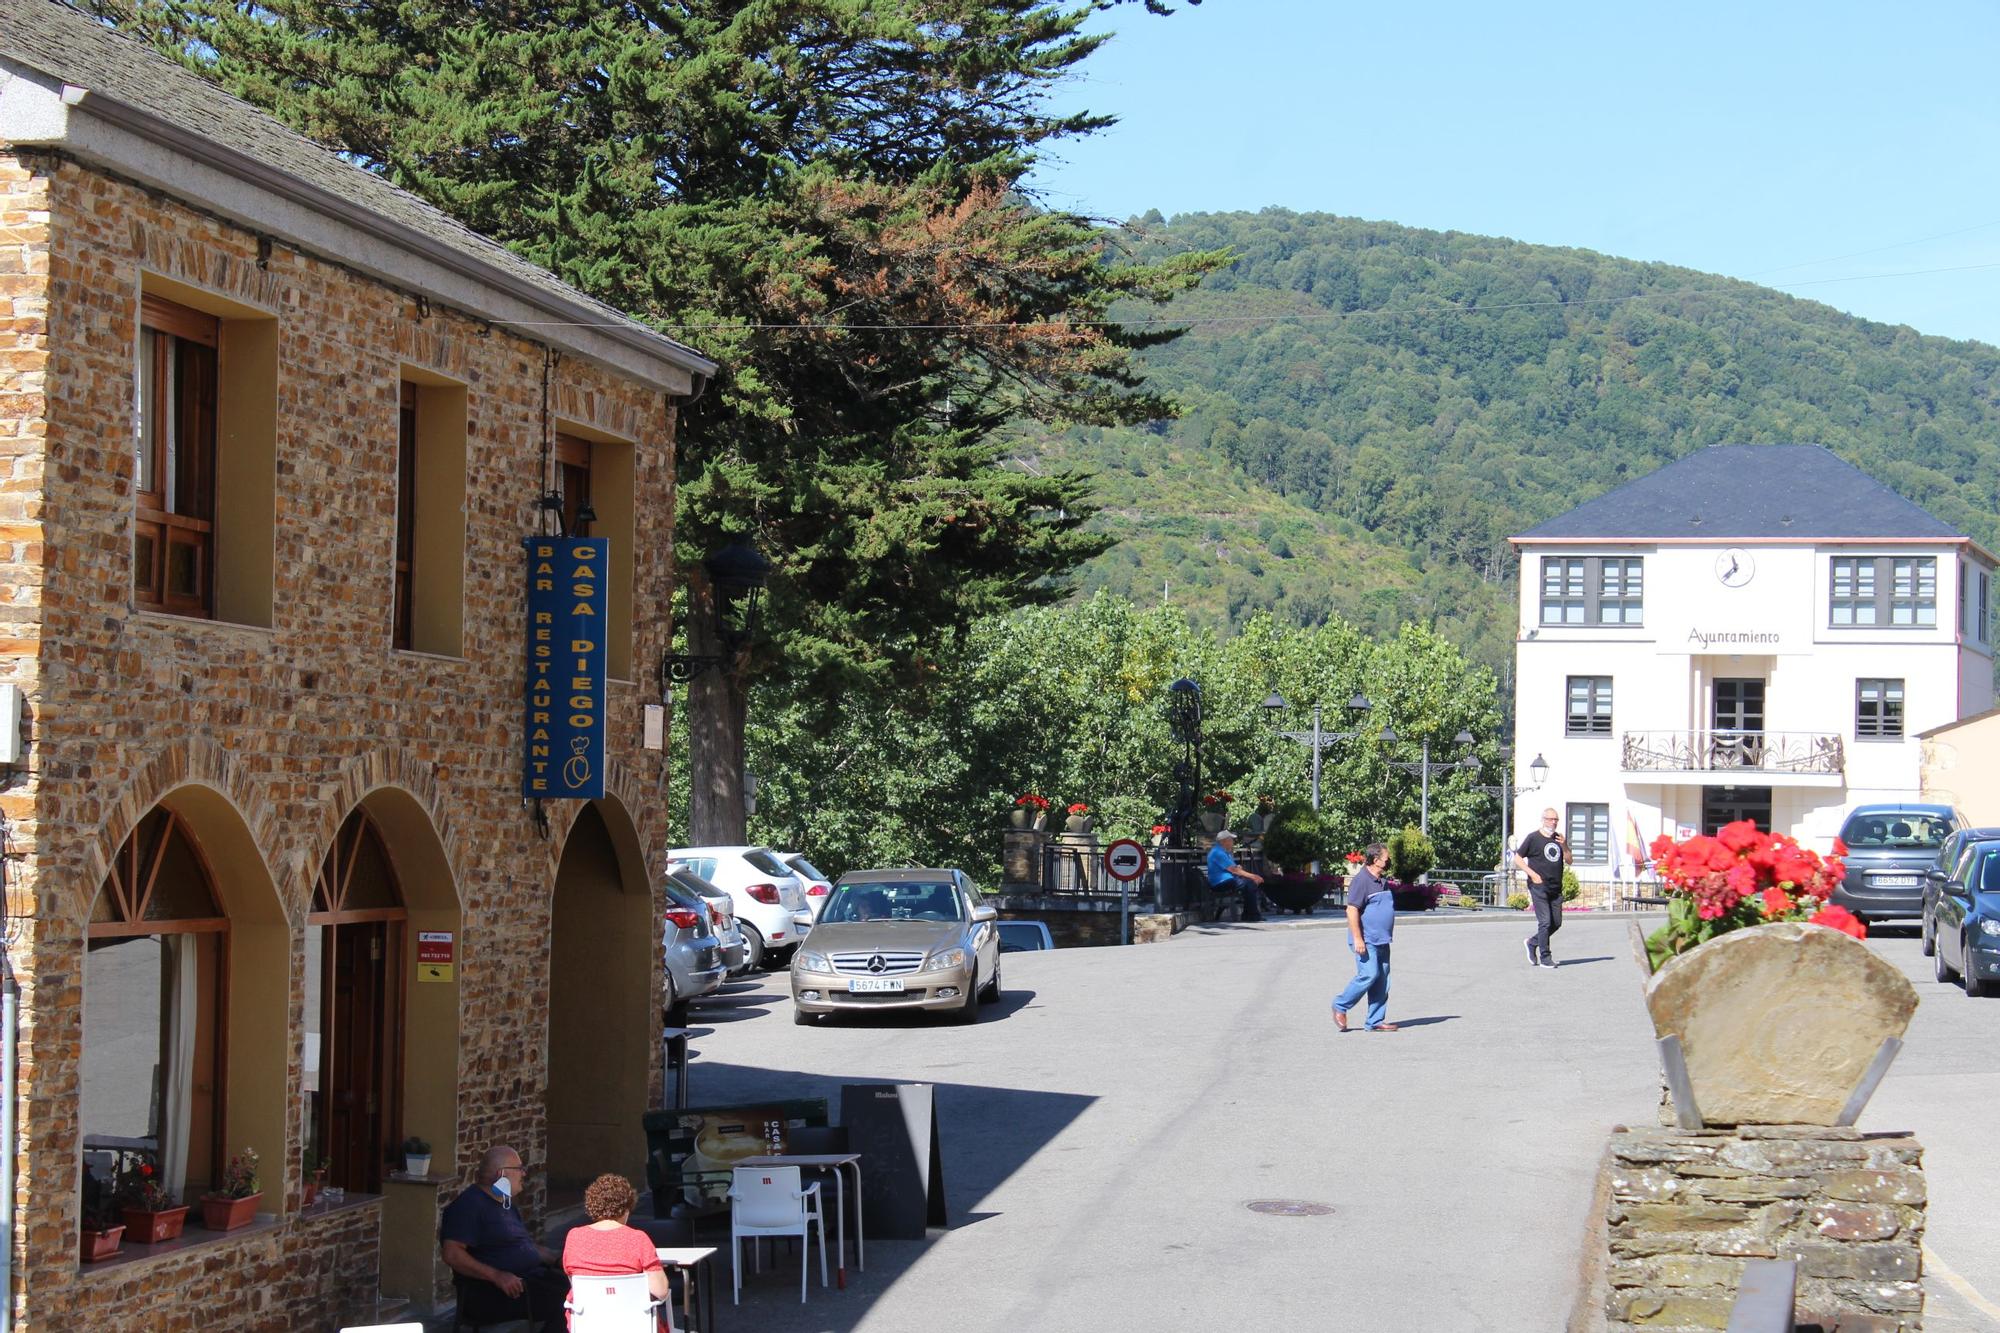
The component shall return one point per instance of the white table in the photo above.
(834, 1162)
(695, 1262)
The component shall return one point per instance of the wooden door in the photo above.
(359, 1015)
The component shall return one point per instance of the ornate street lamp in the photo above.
(1318, 738)
(737, 573)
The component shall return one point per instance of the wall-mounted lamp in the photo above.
(737, 574)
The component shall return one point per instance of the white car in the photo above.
(769, 897)
(816, 882)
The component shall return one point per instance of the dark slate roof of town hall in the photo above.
(1749, 492)
(65, 43)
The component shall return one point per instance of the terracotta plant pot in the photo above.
(311, 1191)
(150, 1227)
(101, 1244)
(221, 1214)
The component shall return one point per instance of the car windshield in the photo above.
(1895, 830)
(807, 868)
(1021, 935)
(893, 900)
(765, 863)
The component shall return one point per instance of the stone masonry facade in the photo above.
(292, 724)
(1686, 1209)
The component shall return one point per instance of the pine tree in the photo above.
(820, 195)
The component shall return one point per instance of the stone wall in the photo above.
(1687, 1208)
(284, 728)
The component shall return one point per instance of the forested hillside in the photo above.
(1371, 410)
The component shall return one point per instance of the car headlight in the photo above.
(814, 962)
(1989, 927)
(948, 958)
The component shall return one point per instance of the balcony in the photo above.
(1737, 758)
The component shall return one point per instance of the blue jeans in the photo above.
(1371, 978)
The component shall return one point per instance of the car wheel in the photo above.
(803, 1019)
(1974, 987)
(676, 1003)
(969, 1011)
(1939, 967)
(753, 947)
(1929, 939)
(991, 995)
(778, 959)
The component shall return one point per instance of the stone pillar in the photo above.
(1687, 1208)
(1021, 856)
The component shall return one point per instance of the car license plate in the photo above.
(1896, 881)
(874, 985)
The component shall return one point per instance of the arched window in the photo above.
(355, 940)
(153, 985)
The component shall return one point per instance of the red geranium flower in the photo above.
(1079, 808)
(1776, 902)
(1835, 917)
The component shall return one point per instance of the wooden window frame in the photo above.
(573, 479)
(406, 517)
(160, 516)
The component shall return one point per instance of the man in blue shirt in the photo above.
(484, 1240)
(1223, 872)
(1371, 922)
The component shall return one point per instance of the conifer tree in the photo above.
(822, 196)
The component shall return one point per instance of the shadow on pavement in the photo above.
(1424, 1022)
(1579, 962)
(985, 1135)
(1011, 1002)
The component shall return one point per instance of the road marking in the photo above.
(1959, 1284)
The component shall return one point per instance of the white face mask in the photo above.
(505, 1189)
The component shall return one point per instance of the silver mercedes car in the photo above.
(899, 939)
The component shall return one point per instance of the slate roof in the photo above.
(66, 44)
(1749, 492)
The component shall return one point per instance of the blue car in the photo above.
(1962, 923)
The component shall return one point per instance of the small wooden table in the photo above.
(697, 1262)
(835, 1162)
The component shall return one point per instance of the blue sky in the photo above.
(1843, 152)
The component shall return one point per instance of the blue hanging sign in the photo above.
(569, 622)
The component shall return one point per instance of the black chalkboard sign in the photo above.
(894, 1128)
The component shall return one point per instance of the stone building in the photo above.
(272, 434)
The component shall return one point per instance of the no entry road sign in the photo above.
(1125, 860)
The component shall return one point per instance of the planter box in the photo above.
(101, 1244)
(149, 1227)
(220, 1214)
(1297, 896)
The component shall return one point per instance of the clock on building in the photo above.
(1734, 567)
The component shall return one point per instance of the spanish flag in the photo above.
(1635, 846)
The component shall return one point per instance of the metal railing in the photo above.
(1176, 879)
(1492, 888)
(1722, 751)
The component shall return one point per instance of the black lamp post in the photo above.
(1425, 767)
(737, 573)
(1318, 738)
(1184, 721)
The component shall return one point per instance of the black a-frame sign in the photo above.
(894, 1128)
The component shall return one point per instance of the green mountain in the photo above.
(1371, 410)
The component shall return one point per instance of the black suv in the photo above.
(1890, 851)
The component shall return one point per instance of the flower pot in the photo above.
(1079, 824)
(101, 1244)
(414, 1165)
(150, 1226)
(311, 1191)
(1214, 821)
(1023, 817)
(1297, 894)
(223, 1214)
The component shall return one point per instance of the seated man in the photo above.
(485, 1241)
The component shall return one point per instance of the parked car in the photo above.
(1963, 926)
(818, 886)
(899, 939)
(769, 899)
(1940, 871)
(722, 915)
(692, 953)
(1023, 936)
(1890, 850)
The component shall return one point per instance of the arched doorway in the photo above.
(603, 1014)
(356, 942)
(186, 974)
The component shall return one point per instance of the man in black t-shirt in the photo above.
(1543, 854)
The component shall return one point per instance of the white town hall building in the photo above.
(1752, 631)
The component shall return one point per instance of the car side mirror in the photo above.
(984, 913)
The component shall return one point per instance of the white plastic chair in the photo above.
(767, 1201)
(622, 1304)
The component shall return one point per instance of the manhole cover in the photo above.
(1290, 1208)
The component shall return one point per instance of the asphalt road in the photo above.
(1105, 1128)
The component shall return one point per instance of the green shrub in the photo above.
(1518, 901)
(1466, 900)
(1296, 837)
(1572, 887)
(1410, 854)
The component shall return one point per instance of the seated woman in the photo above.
(609, 1248)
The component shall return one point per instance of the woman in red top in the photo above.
(608, 1247)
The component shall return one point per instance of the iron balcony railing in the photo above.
(1724, 751)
